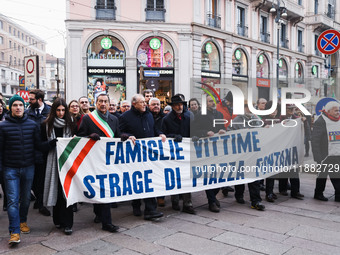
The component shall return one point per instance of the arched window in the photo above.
(106, 51)
(262, 67)
(155, 51)
(210, 57)
(240, 63)
(299, 76)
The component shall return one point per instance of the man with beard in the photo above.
(134, 124)
(100, 123)
(38, 112)
(157, 113)
(177, 125)
(203, 127)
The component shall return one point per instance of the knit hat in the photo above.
(15, 98)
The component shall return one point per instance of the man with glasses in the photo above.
(139, 123)
(100, 123)
(84, 104)
(38, 111)
(113, 108)
(124, 106)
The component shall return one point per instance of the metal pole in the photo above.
(278, 56)
(58, 77)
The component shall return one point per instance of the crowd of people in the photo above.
(28, 157)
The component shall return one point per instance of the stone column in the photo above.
(76, 76)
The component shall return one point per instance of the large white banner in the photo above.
(109, 170)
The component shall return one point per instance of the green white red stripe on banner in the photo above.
(71, 171)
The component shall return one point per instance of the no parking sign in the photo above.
(329, 42)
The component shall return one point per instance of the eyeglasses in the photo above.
(113, 105)
(84, 102)
(74, 106)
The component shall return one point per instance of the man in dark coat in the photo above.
(203, 127)
(254, 187)
(38, 112)
(19, 140)
(326, 149)
(293, 175)
(139, 123)
(158, 115)
(100, 123)
(177, 125)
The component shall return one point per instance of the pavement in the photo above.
(287, 226)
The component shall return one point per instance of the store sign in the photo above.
(210, 75)
(106, 71)
(240, 78)
(157, 72)
(151, 73)
(238, 54)
(208, 48)
(280, 63)
(261, 59)
(265, 83)
(106, 43)
(155, 43)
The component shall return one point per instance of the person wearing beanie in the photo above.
(19, 139)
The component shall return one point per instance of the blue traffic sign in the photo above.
(329, 42)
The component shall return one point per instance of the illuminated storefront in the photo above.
(155, 67)
(106, 68)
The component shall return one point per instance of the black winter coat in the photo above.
(205, 123)
(158, 119)
(19, 140)
(320, 140)
(88, 127)
(140, 125)
(172, 125)
(32, 115)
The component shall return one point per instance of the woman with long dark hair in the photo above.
(59, 123)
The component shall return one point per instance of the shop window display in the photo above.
(106, 68)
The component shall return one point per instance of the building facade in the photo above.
(16, 43)
(124, 47)
(55, 77)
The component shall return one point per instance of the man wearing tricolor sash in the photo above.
(100, 123)
(326, 149)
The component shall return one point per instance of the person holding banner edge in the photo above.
(58, 123)
(203, 127)
(134, 124)
(326, 149)
(100, 123)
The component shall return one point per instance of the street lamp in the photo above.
(281, 11)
